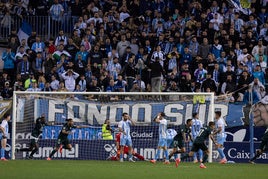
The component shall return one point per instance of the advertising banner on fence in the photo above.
(237, 152)
(95, 113)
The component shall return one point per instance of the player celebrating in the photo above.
(199, 143)
(220, 126)
(180, 139)
(263, 147)
(3, 135)
(126, 149)
(40, 123)
(162, 144)
(63, 141)
(125, 139)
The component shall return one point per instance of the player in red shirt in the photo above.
(117, 140)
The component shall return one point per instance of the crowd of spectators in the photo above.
(141, 45)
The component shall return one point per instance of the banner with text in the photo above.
(95, 113)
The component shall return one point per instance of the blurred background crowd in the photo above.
(136, 46)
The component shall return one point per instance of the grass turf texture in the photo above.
(39, 169)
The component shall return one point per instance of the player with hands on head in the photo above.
(162, 143)
(125, 138)
(63, 141)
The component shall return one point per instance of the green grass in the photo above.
(39, 169)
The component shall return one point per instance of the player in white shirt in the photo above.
(162, 143)
(196, 127)
(221, 136)
(3, 135)
(125, 139)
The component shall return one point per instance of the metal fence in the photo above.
(43, 25)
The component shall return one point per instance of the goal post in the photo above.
(91, 109)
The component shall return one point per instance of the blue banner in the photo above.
(143, 112)
(237, 152)
(90, 133)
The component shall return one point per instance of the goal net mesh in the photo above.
(92, 109)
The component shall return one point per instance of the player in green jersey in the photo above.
(63, 141)
(199, 143)
(40, 123)
(180, 139)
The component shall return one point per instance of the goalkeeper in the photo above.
(40, 123)
(180, 139)
(63, 141)
(126, 150)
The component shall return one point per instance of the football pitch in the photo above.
(77, 169)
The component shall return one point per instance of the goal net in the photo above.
(92, 109)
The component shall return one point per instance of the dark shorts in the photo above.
(33, 142)
(178, 144)
(264, 142)
(197, 146)
(63, 142)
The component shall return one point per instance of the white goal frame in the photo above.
(16, 93)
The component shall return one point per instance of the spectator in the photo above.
(259, 48)
(156, 72)
(33, 86)
(95, 56)
(69, 77)
(13, 44)
(80, 65)
(38, 45)
(54, 84)
(200, 73)
(111, 86)
(23, 44)
(71, 47)
(47, 87)
(37, 64)
(9, 59)
(243, 83)
(61, 37)
(140, 83)
(129, 72)
(172, 61)
(82, 83)
(28, 82)
(62, 87)
(186, 56)
(120, 84)
(258, 73)
(56, 11)
(122, 45)
(209, 83)
(216, 48)
(24, 67)
(258, 87)
(228, 86)
(204, 49)
(7, 91)
(250, 96)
